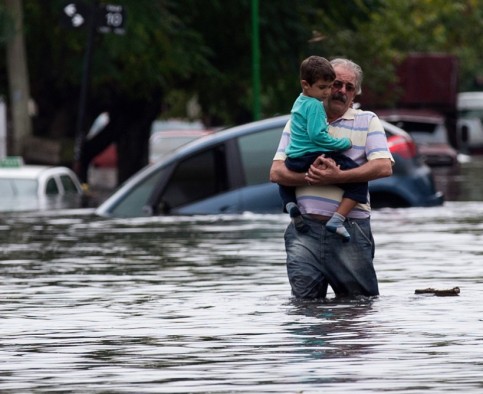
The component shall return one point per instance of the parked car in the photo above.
(428, 130)
(34, 187)
(227, 172)
(470, 121)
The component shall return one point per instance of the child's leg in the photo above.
(290, 205)
(336, 222)
(296, 216)
(288, 195)
(298, 164)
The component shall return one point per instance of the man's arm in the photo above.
(280, 174)
(326, 172)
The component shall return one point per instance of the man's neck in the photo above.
(331, 116)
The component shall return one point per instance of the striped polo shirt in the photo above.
(368, 143)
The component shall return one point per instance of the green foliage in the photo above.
(202, 48)
(437, 26)
(153, 52)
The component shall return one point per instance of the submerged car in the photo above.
(428, 130)
(227, 172)
(38, 188)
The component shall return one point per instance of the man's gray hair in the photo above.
(355, 68)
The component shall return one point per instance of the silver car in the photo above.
(227, 172)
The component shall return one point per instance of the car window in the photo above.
(197, 177)
(51, 187)
(133, 203)
(424, 132)
(68, 184)
(257, 151)
(416, 127)
(471, 113)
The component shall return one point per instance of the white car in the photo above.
(35, 187)
(470, 121)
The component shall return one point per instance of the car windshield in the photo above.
(424, 132)
(18, 187)
(471, 114)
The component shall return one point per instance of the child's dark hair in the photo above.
(314, 68)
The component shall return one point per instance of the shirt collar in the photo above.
(350, 114)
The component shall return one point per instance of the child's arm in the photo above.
(317, 129)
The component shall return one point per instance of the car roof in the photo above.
(470, 100)
(179, 133)
(30, 171)
(411, 115)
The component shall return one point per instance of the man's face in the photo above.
(343, 91)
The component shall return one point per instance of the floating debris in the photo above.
(440, 293)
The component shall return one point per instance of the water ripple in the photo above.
(202, 304)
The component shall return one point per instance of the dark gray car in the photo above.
(228, 172)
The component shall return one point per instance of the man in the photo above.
(319, 258)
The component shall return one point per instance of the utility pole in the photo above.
(256, 59)
(102, 18)
(18, 77)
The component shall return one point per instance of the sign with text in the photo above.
(111, 19)
(108, 18)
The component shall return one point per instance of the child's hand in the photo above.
(323, 171)
(321, 162)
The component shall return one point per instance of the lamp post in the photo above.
(255, 60)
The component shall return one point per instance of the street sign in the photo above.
(111, 18)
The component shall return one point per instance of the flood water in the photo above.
(202, 305)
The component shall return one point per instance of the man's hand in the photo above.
(323, 171)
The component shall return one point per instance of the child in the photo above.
(309, 138)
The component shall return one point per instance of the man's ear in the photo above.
(304, 84)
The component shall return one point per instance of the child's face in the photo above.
(320, 90)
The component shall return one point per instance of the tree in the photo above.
(388, 30)
(17, 75)
(175, 51)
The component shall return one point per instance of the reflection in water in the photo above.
(202, 304)
(331, 328)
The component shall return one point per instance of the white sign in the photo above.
(111, 19)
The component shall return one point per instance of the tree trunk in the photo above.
(18, 78)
